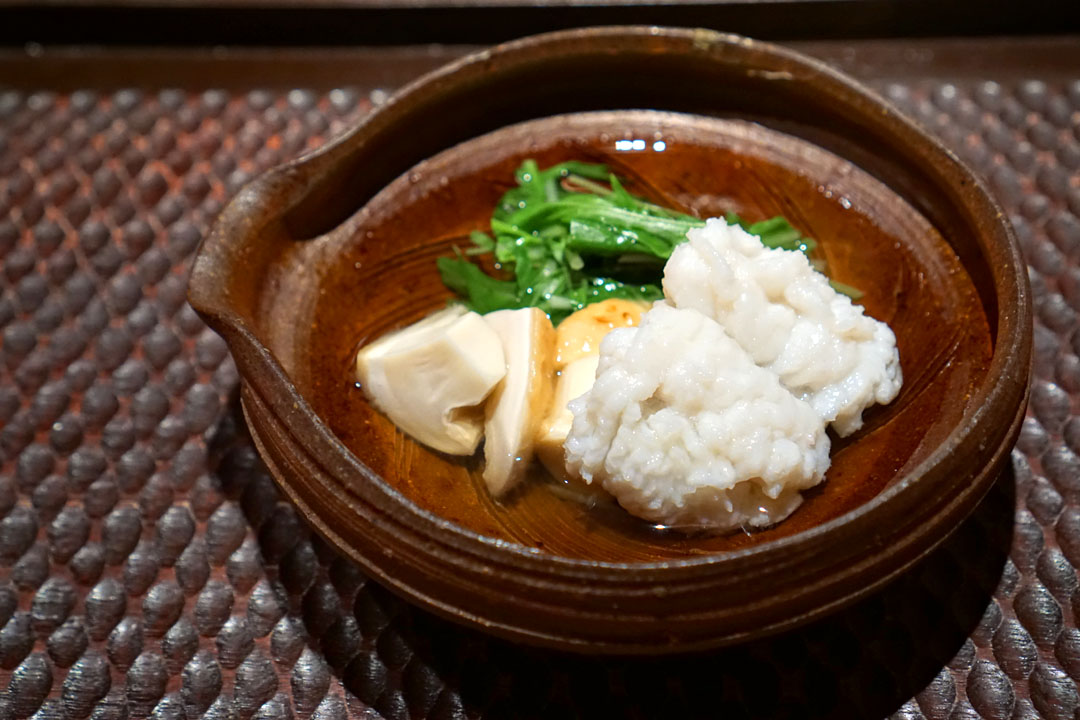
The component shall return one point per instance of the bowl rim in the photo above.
(1009, 367)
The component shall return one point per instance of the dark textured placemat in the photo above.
(149, 567)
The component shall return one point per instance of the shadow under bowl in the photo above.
(317, 256)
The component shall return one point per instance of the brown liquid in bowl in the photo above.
(385, 277)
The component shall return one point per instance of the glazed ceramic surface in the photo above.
(319, 256)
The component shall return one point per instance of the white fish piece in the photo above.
(789, 319)
(685, 430)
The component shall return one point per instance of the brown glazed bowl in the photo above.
(317, 256)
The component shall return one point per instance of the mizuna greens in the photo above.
(571, 235)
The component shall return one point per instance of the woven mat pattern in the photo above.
(148, 566)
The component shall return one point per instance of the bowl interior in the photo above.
(326, 296)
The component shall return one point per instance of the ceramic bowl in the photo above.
(317, 256)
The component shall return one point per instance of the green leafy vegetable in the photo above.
(568, 240)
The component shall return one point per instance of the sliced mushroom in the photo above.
(517, 407)
(431, 378)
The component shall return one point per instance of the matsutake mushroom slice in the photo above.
(518, 405)
(432, 377)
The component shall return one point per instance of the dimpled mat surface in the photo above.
(148, 566)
